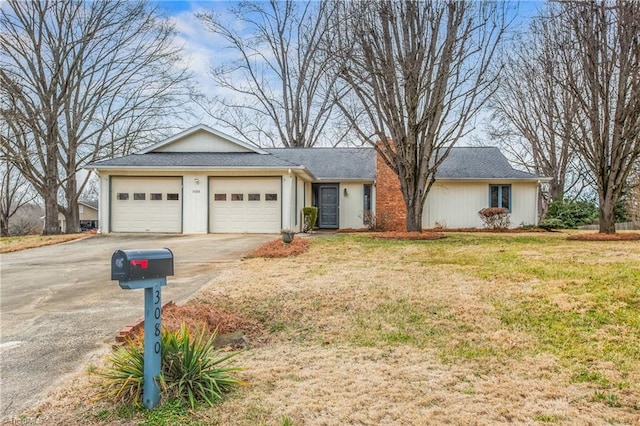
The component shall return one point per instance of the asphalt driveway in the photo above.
(59, 309)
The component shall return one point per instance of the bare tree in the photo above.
(633, 195)
(81, 81)
(14, 193)
(602, 73)
(531, 118)
(419, 73)
(277, 90)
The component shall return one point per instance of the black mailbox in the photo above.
(134, 265)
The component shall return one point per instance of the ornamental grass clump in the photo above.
(191, 370)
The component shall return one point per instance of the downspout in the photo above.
(537, 204)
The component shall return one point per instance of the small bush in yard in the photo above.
(572, 214)
(190, 371)
(495, 217)
(310, 215)
(552, 223)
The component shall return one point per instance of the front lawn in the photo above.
(470, 329)
(23, 242)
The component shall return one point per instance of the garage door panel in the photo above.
(146, 204)
(242, 205)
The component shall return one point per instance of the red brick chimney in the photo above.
(391, 212)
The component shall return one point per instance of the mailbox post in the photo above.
(146, 269)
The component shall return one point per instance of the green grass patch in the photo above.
(396, 322)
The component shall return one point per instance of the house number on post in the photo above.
(146, 269)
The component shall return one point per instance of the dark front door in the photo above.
(328, 206)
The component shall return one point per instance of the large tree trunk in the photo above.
(414, 215)
(50, 187)
(607, 209)
(72, 212)
(4, 226)
(51, 222)
(607, 217)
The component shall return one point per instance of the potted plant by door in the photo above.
(287, 235)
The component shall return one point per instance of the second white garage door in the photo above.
(244, 205)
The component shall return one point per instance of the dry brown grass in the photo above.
(10, 244)
(412, 333)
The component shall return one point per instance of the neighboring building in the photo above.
(201, 181)
(88, 216)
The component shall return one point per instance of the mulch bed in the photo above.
(605, 237)
(199, 315)
(277, 248)
(214, 320)
(396, 235)
(489, 230)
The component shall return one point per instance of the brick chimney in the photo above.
(391, 212)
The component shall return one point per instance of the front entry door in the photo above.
(328, 206)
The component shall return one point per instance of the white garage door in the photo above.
(146, 204)
(244, 205)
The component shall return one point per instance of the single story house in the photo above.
(203, 181)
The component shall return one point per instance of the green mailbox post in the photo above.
(146, 269)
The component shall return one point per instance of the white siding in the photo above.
(455, 204)
(201, 141)
(351, 205)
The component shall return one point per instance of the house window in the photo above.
(173, 197)
(139, 196)
(155, 196)
(271, 197)
(237, 197)
(123, 195)
(366, 204)
(500, 196)
(220, 197)
(254, 197)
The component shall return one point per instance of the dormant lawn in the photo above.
(471, 329)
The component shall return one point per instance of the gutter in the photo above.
(303, 170)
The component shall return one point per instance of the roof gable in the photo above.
(202, 138)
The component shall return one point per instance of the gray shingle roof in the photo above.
(332, 163)
(479, 163)
(327, 163)
(195, 159)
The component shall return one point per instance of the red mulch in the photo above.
(439, 230)
(490, 230)
(396, 235)
(277, 248)
(605, 237)
(197, 316)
